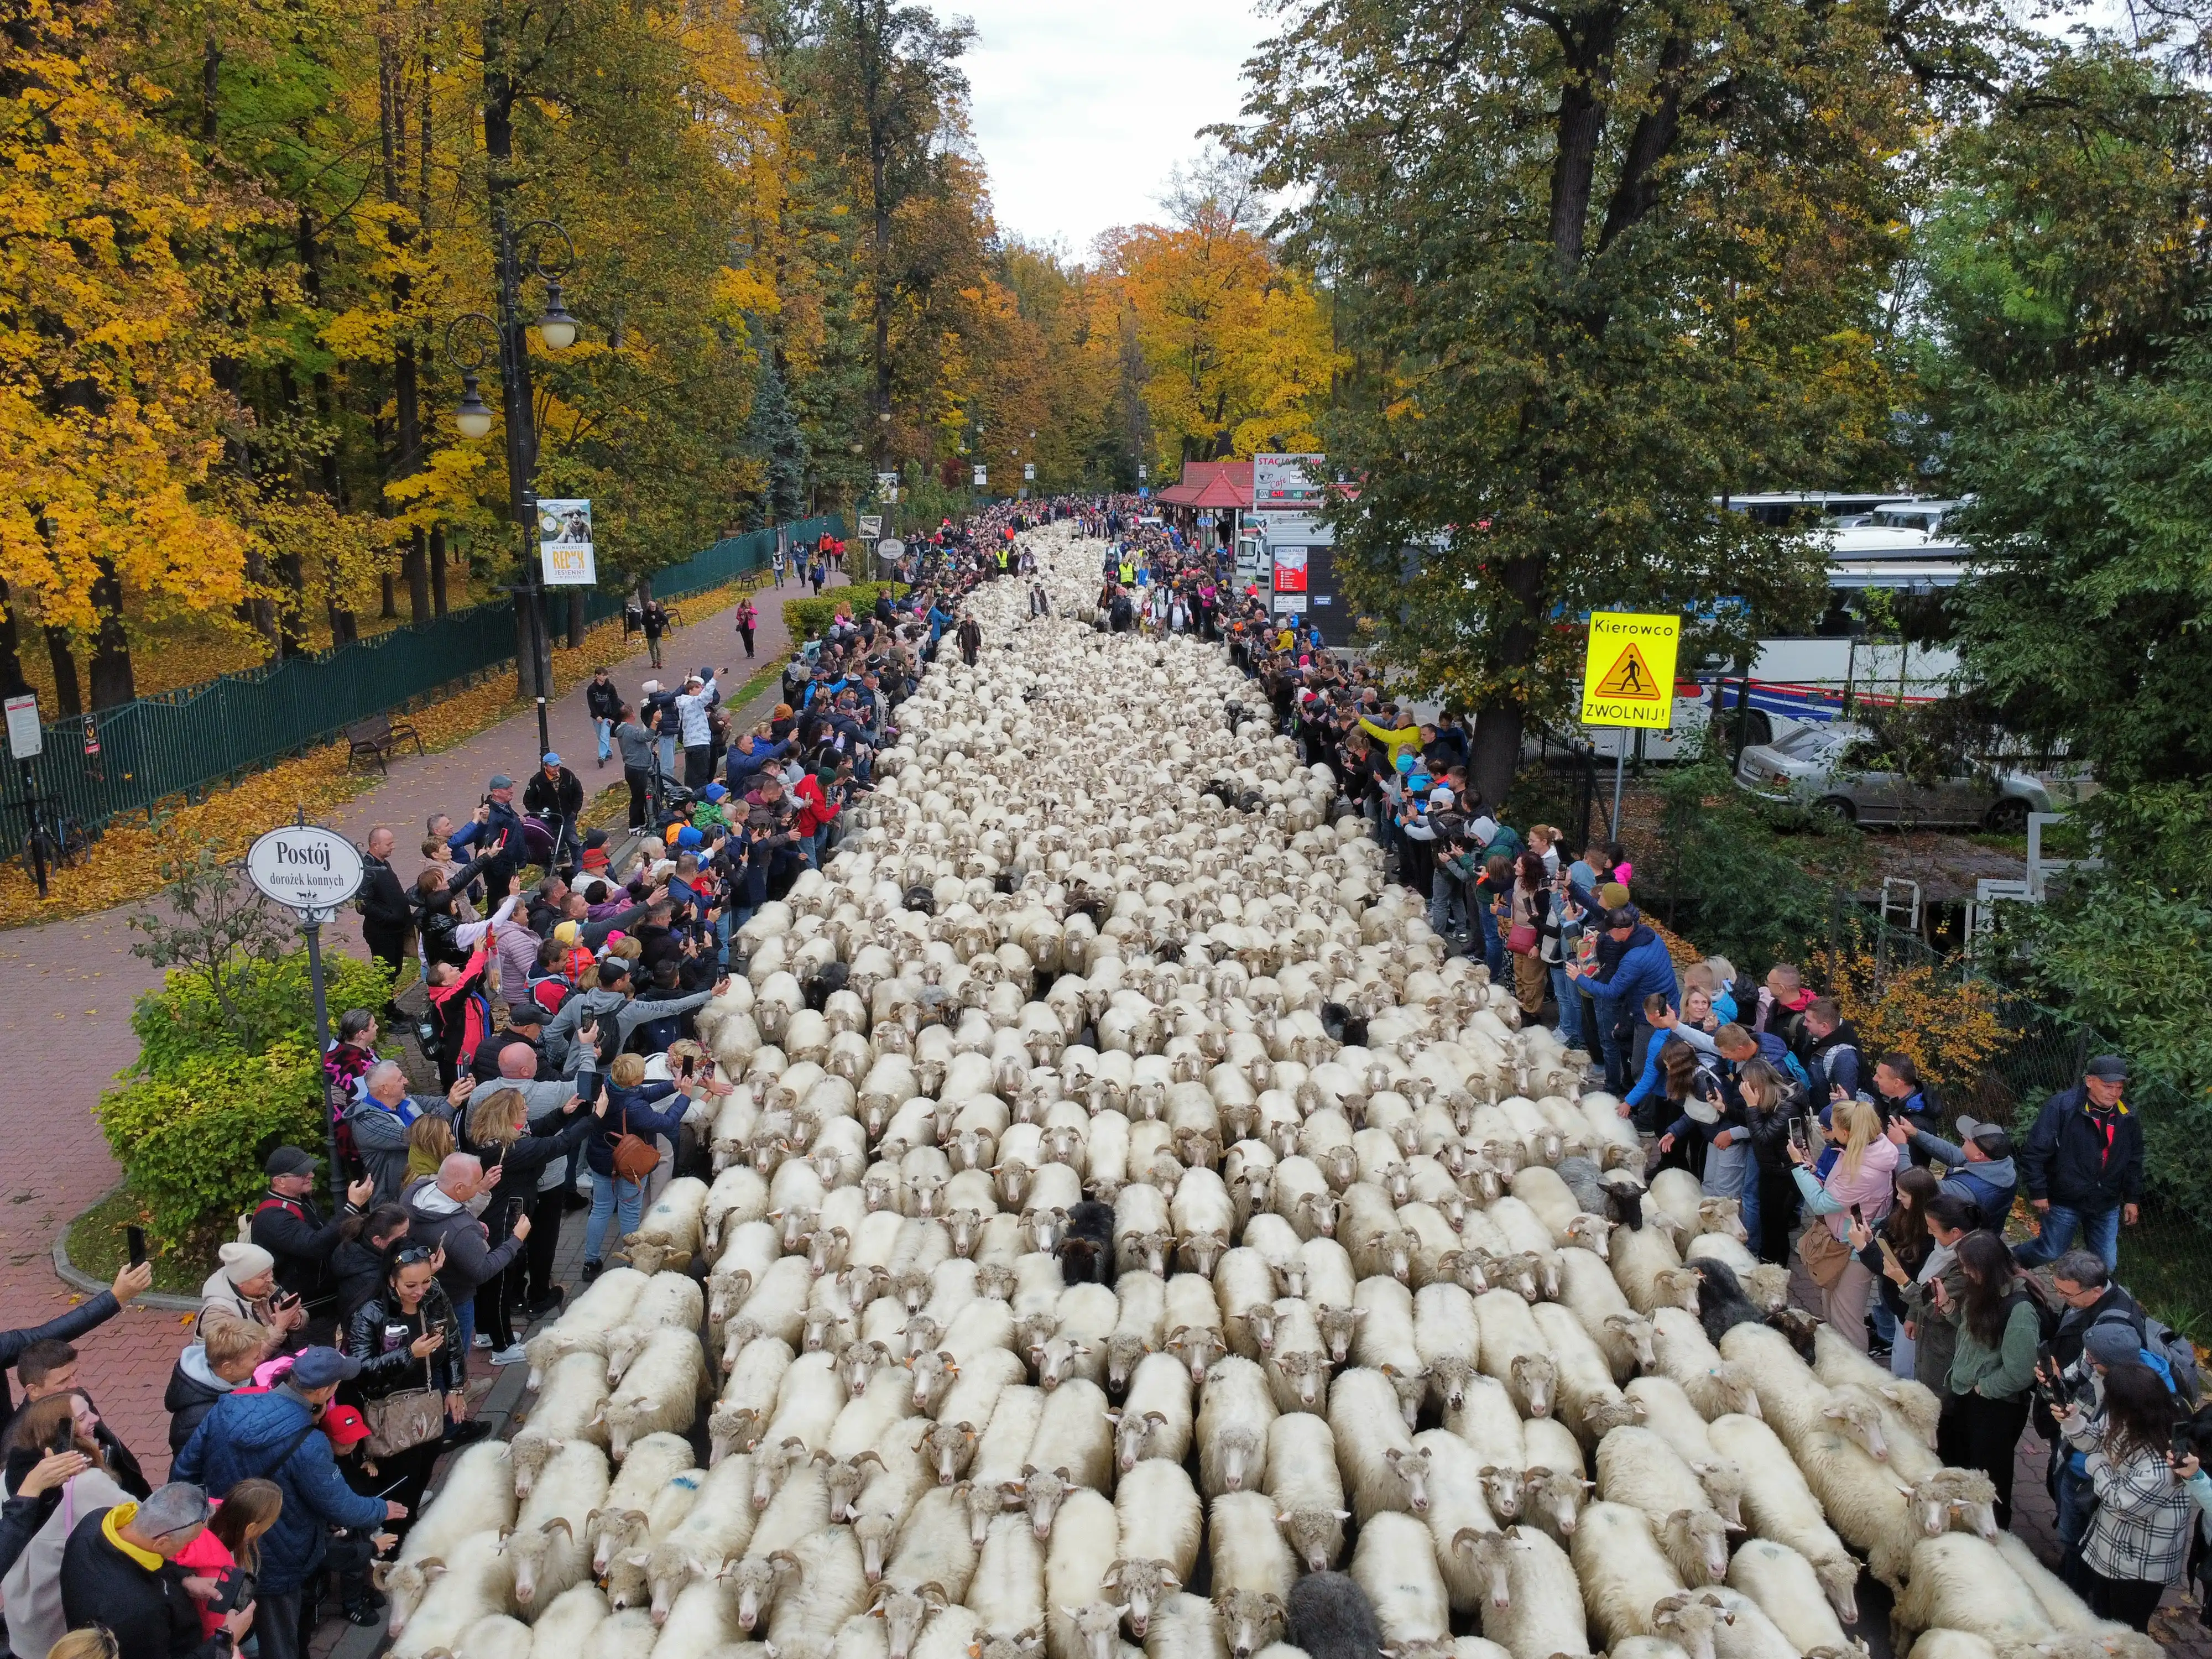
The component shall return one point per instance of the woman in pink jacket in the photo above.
(1859, 1186)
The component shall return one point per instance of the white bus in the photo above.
(1852, 656)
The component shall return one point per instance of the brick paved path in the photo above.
(69, 988)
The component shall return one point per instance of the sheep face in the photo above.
(1535, 1379)
(1097, 1628)
(947, 1448)
(1314, 1535)
(755, 1583)
(1250, 1619)
(1132, 1433)
(1633, 1331)
(1041, 1493)
(1858, 1417)
(1142, 1585)
(873, 1535)
(904, 1612)
(1697, 1539)
(1487, 1553)
(1690, 1624)
(1412, 1468)
(1501, 1491)
(844, 1477)
(1555, 1499)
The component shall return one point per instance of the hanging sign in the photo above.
(25, 738)
(306, 868)
(1282, 483)
(871, 526)
(1629, 679)
(564, 544)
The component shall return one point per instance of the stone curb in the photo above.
(70, 1274)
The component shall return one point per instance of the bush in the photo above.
(181, 1024)
(190, 1141)
(1730, 880)
(810, 619)
(197, 1114)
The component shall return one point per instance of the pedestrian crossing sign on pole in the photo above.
(1629, 679)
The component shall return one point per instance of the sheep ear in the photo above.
(639, 1557)
(1341, 1515)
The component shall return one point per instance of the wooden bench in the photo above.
(379, 738)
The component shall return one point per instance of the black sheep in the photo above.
(1086, 1249)
(1721, 1301)
(831, 978)
(1331, 1618)
(1343, 1026)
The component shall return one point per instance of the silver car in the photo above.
(1846, 771)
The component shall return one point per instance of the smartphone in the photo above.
(588, 1086)
(687, 1065)
(1858, 1217)
(136, 1237)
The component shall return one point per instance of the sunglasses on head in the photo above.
(409, 1255)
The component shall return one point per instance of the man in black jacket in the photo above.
(290, 1226)
(119, 1570)
(2084, 1166)
(604, 704)
(385, 915)
(555, 795)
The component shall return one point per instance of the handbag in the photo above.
(635, 1158)
(1824, 1254)
(1521, 940)
(404, 1419)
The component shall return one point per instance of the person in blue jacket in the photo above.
(1641, 969)
(272, 1436)
(630, 1111)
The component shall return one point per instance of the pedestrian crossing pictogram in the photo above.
(1631, 678)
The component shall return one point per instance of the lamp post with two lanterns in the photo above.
(471, 338)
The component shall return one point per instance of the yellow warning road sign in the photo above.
(1629, 679)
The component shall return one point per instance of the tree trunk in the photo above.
(437, 562)
(210, 87)
(292, 609)
(390, 610)
(257, 609)
(112, 683)
(416, 564)
(68, 695)
(12, 683)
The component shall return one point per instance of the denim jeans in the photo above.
(2076, 1499)
(465, 1315)
(1493, 947)
(2100, 1231)
(612, 1198)
(668, 759)
(1570, 1007)
(606, 731)
(1747, 1199)
(1445, 897)
(1885, 1322)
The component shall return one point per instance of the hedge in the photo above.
(194, 1119)
(191, 1142)
(810, 619)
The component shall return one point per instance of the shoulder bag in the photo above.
(634, 1158)
(405, 1419)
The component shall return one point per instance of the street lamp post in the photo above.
(473, 418)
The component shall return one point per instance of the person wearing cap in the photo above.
(289, 1225)
(2084, 1166)
(556, 796)
(1978, 1168)
(709, 815)
(526, 1031)
(271, 1437)
(245, 1287)
(119, 1571)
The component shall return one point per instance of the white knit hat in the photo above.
(243, 1262)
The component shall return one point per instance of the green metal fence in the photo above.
(182, 742)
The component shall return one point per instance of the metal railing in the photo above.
(99, 766)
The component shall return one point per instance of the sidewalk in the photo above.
(71, 984)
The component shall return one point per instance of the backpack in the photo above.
(2172, 1355)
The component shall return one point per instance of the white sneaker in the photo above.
(482, 1339)
(513, 1356)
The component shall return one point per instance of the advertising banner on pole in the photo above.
(1281, 484)
(564, 544)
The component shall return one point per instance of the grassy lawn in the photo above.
(97, 1247)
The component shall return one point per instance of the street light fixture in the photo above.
(472, 419)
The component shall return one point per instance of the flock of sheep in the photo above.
(1129, 1229)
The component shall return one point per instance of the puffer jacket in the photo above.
(272, 1436)
(381, 1337)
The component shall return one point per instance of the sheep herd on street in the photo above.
(1129, 1229)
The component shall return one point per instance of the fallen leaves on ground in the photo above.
(120, 867)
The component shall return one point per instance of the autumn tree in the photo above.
(1603, 263)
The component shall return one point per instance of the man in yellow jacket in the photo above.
(1398, 739)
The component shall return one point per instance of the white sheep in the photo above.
(1236, 1408)
(1957, 1582)
(1159, 1524)
(1156, 1417)
(1084, 1536)
(1306, 1488)
(1395, 1564)
(1788, 1592)
(653, 1461)
(1778, 1504)
(1543, 1616)
(1625, 1574)
(1588, 1399)
(1515, 1352)
(1185, 1627)
(748, 1399)
(830, 1589)
(476, 1496)
(1486, 1420)
(1669, 1412)
(1714, 1385)
(1073, 1447)
(548, 1547)
(1007, 1593)
(1374, 1452)
(584, 1326)
(715, 1531)
(669, 1302)
(565, 1629)
(474, 1581)
(1251, 1568)
(1554, 1489)
(570, 1407)
(661, 1390)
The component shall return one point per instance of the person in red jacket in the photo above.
(820, 797)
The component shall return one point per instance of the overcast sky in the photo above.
(1081, 109)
